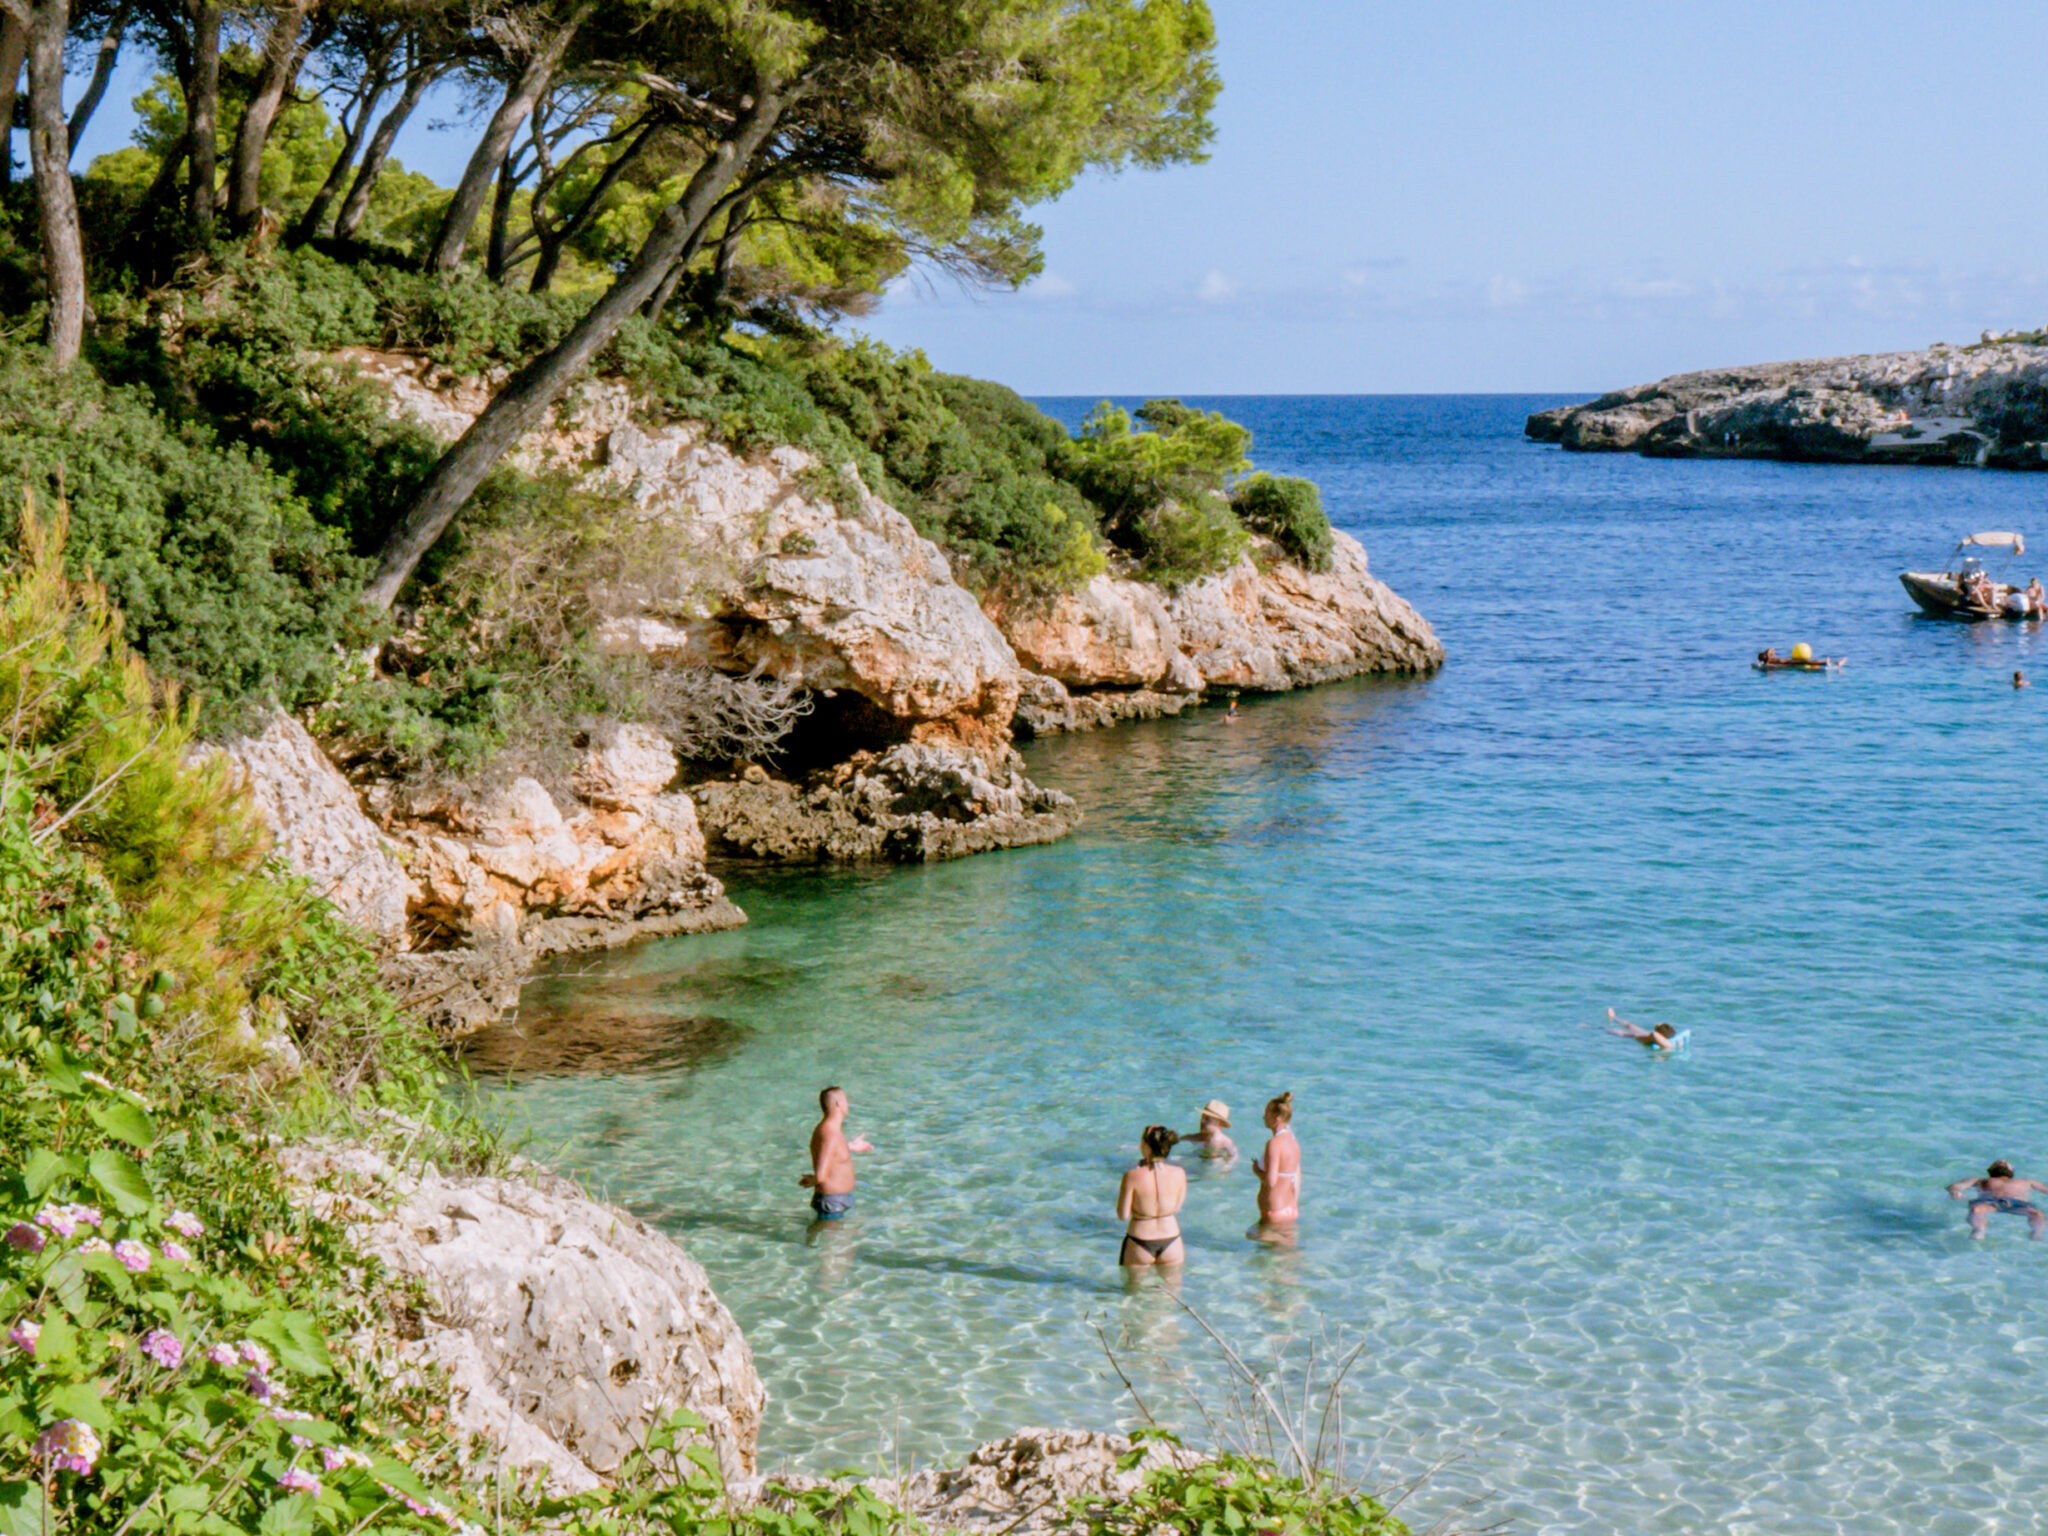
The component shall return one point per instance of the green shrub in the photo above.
(1290, 512)
(1231, 1493)
(1162, 491)
(228, 583)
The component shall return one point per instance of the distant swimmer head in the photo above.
(1156, 1143)
(2000, 1169)
(1280, 1111)
(1802, 652)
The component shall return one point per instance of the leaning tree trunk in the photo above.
(452, 239)
(499, 250)
(526, 397)
(202, 121)
(307, 225)
(554, 243)
(281, 57)
(49, 143)
(357, 203)
(13, 52)
(102, 71)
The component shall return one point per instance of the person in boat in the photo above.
(1659, 1037)
(1279, 1169)
(2037, 600)
(1213, 1138)
(2000, 1192)
(1149, 1201)
(1975, 588)
(831, 1178)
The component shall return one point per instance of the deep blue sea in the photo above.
(1719, 1293)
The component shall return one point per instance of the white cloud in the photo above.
(1050, 285)
(1216, 289)
(1506, 292)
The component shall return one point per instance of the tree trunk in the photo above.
(526, 397)
(553, 244)
(282, 54)
(453, 237)
(102, 71)
(49, 143)
(357, 203)
(202, 121)
(728, 250)
(500, 246)
(13, 52)
(307, 227)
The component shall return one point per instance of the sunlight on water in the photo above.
(1722, 1293)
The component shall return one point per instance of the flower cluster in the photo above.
(222, 1355)
(297, 1480)
(95, 1245)
(70, 1446)
(163, 1347)
(65, 1220)
(131, 1255)
(336, 1457)
(175, 1252)
(290, 1415)
(23, 1336)
(185, 1224)
(26, 1238)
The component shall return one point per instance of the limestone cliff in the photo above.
(1985, 404)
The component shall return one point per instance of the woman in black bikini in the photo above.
(1148, 1200)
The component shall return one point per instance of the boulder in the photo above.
(319, 826)
(1045, 707)
(562, 1328)
(917, 801)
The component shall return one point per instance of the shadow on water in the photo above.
(1871, 1219)
(547, 1041)
(794, 1231)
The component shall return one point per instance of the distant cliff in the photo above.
(1984, 404)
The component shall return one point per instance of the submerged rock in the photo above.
(564, 1328)
(914, 802)
(1982, 404)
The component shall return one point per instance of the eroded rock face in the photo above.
(1109, 634)
(1983, 404)
(1046, 707)
(566, 1328)
(915, 802)
(502, 868)
(320, 828)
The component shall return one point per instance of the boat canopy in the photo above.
(2011, 541)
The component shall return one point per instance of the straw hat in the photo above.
(1216, 1109)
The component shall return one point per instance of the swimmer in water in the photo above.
(2000, 1191)
(1148, 1202)
(831, 1178)
(1211, 1138)
(2019, 680)
(1279, 1170)
(1231, 712)
(1664, 1037)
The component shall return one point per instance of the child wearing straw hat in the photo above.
(1210, 1138)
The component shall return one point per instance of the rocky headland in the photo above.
(1982, 404)
(764, 566)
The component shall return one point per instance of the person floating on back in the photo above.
(1662, 1037)
(2000, 1191)
(831, 1179)
(1149, 1201)
(1211, 1138)
(1279, 1171)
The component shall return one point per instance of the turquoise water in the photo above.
(1724, 1292)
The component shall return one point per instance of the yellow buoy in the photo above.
(1802, 652)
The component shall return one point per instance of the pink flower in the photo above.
(185, 1224)
(65, 1220)
(335, 1457)
(25, 1237)
(176, 1254)
(132, 1255)
(163, 1348)
(261, 1388)
(255, 1354)
(223, 1355)
(298, 1480)
(94, 1245)
(290, 1415)
(23, 1336)
(70, 1446)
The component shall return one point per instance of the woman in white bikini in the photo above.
(1279, 1170)
(1149, 1200)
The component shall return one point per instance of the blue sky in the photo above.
(1565, 196)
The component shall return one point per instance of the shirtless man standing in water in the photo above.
(831, 1180)
(1998, 1190)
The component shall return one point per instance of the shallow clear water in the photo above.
(1724, 1292)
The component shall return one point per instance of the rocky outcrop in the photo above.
(320, 829)
(1026, 1484)
(1119, 650)
(913, 802)
(1984, 404)
(562, 1328)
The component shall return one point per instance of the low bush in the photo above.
(1229, 1492)
(1162, 491)
(1289, 511)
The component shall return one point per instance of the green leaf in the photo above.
(57, 1344)
(61, 1070)
(297, 1340)
(79, 1400)
(291, 1515)
(45, 1168)
(124, 1122)
(21, 1510)
(123, 1182)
